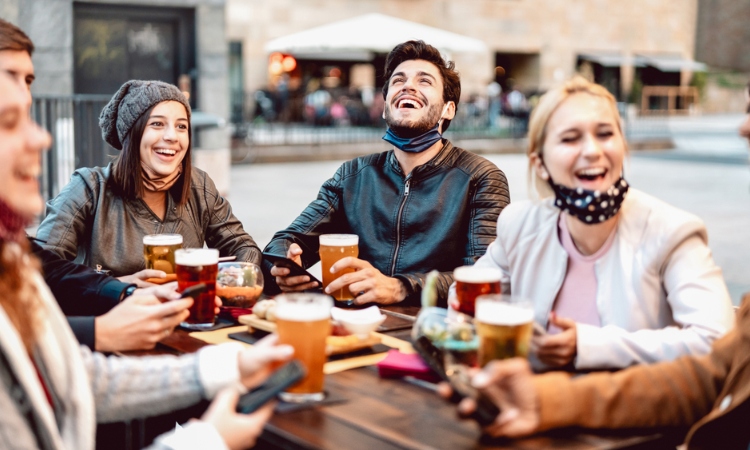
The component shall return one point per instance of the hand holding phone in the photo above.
(194, 290)
(282, 379)
(486, 411)
(294, 268)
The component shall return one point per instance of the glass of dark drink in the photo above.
(471, 282)
(193, 266)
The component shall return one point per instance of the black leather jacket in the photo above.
(441, 216)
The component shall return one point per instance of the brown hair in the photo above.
(411, 50)
(12, 38)
(548, 104)
(19, 297)
(127, 180)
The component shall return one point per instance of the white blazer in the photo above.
(659, 293)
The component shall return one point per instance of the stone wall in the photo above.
(556, 30)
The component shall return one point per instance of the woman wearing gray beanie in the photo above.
(102, 215)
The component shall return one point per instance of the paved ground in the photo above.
(267, 197)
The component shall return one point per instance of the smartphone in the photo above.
(486, 411)
(282, 379)
(294, 268)
(194, 290)
(539, 330)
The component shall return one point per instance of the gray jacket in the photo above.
(87, 222)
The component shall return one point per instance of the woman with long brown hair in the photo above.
(102, 215)
(53, 391)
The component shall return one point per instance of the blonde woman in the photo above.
(616, 276)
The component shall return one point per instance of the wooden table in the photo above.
(394, 414)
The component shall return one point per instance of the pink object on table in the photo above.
(397, 364)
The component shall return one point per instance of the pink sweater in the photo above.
(577, 297)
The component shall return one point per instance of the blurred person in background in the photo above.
(103, 213)
(125, 319)
(54, 390)
(424, 205)
(709, 393)
(617, 277)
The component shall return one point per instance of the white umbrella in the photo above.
(362, 35)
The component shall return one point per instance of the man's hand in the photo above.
(139, 278)
(239, 431)
(138, 323)
(293, 283)
(507, 384)
(366, 283)
(557, 350)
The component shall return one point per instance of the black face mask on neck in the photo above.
(589, 206)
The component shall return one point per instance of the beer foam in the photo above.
(196, 257)
(472, 274)
(302, 312)
(162, 239)
(500, 313)
(339, 240)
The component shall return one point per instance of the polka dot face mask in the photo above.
(590, 206)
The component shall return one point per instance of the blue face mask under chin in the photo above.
(417, 144)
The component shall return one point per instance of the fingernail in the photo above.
(286, 350)
(480, 380)
(328, 290)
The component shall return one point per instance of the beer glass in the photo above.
(471, 282)
(303, 320)
(158, 251)
(504, 324)
(334, 247)
(193, 266)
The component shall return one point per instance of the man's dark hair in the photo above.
(12, 38)
(126, 179)
(411, 50)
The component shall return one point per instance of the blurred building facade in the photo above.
(723, 34)
(532, 43)
(93, 47)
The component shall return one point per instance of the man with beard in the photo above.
(425, 205)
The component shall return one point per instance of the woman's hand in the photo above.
(557, 350)
(239, 431)
(138, 323)
(257, 363)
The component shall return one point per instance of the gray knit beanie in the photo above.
(130, 102)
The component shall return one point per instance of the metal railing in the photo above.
(73, 122)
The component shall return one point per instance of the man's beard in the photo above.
(408, 129)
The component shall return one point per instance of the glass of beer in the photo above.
(334, 247)
(471, 282)
(193, 266)
(303, 320)
(504, 324)
(158, 251)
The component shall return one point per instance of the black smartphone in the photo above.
(283, 378)
(294, 268)
(194, 290)
(486, 411)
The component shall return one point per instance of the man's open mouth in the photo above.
(410, 103)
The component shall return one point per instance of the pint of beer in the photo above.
(471, 282)
(303, 320)
(193, 266)
(504, 325)
(334, 247)
(158, 251)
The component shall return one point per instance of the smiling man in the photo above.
(423, 205)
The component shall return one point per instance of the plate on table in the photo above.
(335, 345)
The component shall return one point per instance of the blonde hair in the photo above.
(548, 104)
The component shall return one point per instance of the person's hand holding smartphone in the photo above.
(289, 273)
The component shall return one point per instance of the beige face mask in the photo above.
(154, 182)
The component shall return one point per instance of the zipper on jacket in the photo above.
(398, 223)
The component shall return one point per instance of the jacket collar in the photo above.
(428, 168)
